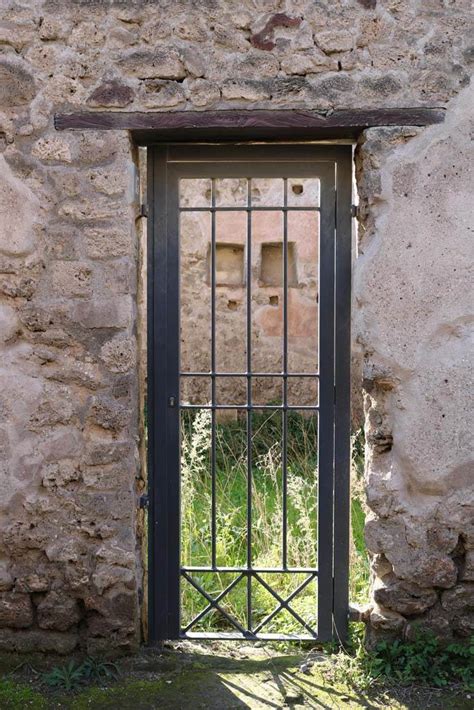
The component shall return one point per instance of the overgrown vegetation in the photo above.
(422, 660)
(267, 502)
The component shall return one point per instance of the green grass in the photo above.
(267, 516)
(19, 696)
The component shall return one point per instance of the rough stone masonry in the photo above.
(70, 567)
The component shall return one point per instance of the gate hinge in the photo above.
(143, 212)
(143, 502)
(355, 212)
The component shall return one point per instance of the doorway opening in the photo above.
(248, 407)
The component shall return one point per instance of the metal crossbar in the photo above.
(284, 604)
(214, 604)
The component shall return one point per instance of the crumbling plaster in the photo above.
(70, 568)
(414, 313)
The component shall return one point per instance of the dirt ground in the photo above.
(190, 676)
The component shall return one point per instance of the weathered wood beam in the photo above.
(249, 119)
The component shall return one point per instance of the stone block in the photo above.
(158, 93)
(405, 598)
(8, 323)
(108, 242)
(18, 213)
(57, 612)
(458, 600)
(58, 474)
(71, 278)
(106, 477)
(51, 28)
(55, 407)
(34, 582)
(87, 34)
(63, 442)
(160, 64)
(111, 182)
(52, 149)
(99, 453)
(385, 624)
(308, 63)
(335, 41)
(16, 610)
(467, 572)
(107, 576)
(108, 414)
(203, 92)
(17, 86)
(91, 209)
(249, 90)
(111, 94)
(195, 62)
(6, 578)
(119, 354)
(105, 313)
(16, 34)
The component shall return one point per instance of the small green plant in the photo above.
(427, 660)
(71, 676)
(68, 677)
(423, 660)
(100, 671)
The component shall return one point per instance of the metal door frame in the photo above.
(166, 164)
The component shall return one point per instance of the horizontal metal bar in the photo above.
(249, 374)
(256, 208)
(249, 636)
(274, 407)
(252, 570)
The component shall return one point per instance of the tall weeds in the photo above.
(267, 515)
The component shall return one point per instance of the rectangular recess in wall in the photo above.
(229, 264)
(271, 264)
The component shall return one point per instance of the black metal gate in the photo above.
(190, 196)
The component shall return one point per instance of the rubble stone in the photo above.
(57, 612)
(16, 610)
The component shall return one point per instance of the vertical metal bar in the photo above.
(213, 373)
(164, 450)
(342, 424)
(284, 443)
(326, 411)
(151, 281)
(173, 357)
(249, 401)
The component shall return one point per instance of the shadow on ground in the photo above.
(221, 676)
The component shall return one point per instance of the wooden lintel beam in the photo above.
(256, 123)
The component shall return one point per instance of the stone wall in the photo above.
(70, 567)
(414, 318)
